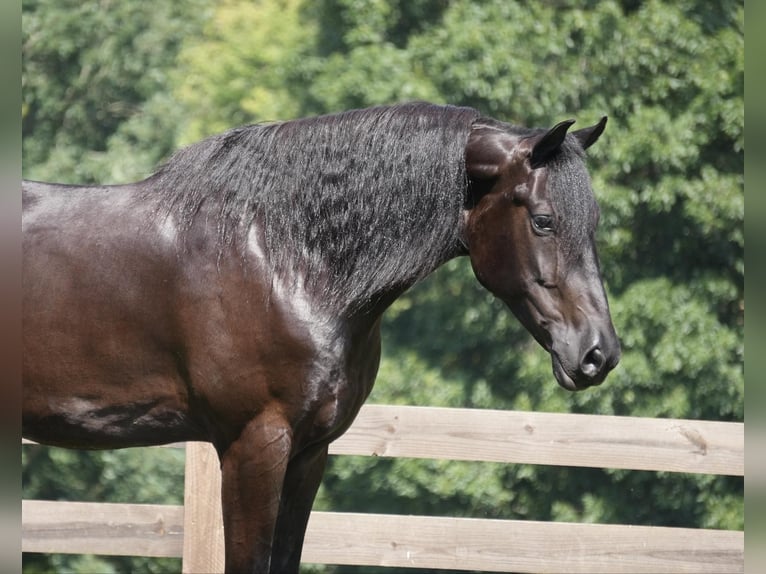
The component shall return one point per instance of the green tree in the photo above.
(97, 104)
(253, 45)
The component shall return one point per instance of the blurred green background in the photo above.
(110, 88)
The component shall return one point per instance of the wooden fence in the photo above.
(194, 531)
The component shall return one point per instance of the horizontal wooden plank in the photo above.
(101, 528)
(403, 541)
(677, 445)
(597, 441)
(449, 543)
(518, 546)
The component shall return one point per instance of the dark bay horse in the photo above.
(235, 296)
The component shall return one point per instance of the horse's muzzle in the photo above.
(592, 367)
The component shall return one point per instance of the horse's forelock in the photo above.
(571, 193)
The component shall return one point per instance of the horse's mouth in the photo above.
(567, 381)
(561, 375)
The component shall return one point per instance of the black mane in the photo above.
(357, 201)
(353, 203)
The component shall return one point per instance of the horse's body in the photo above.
(235, 296)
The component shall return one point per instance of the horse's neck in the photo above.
(374, 301)
(361, 306)
(368, 286)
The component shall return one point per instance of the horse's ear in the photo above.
(547, 146)
(588, 136)
(487, 153)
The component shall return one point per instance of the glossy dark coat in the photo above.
(236, 295)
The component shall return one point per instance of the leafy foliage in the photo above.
(668, 173)
(97, 104)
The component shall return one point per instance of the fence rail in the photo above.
(674, 445)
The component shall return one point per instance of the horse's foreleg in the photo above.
(253, 469)
(304, 474)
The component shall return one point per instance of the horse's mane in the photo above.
(357, 201)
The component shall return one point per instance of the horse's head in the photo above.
(530, 226)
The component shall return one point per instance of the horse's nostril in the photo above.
(593, 362)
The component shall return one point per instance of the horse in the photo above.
(235, 295)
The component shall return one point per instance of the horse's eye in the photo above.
(542, 223)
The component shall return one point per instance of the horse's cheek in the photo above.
(495, 270)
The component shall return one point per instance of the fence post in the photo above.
(203, 548)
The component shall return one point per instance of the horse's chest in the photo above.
(338, 387)
(263, 343)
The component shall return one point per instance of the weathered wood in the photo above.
(403, 541)
(599, 441)
(101, 528)
(702, 447)
(518, 546)
(203, 548)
